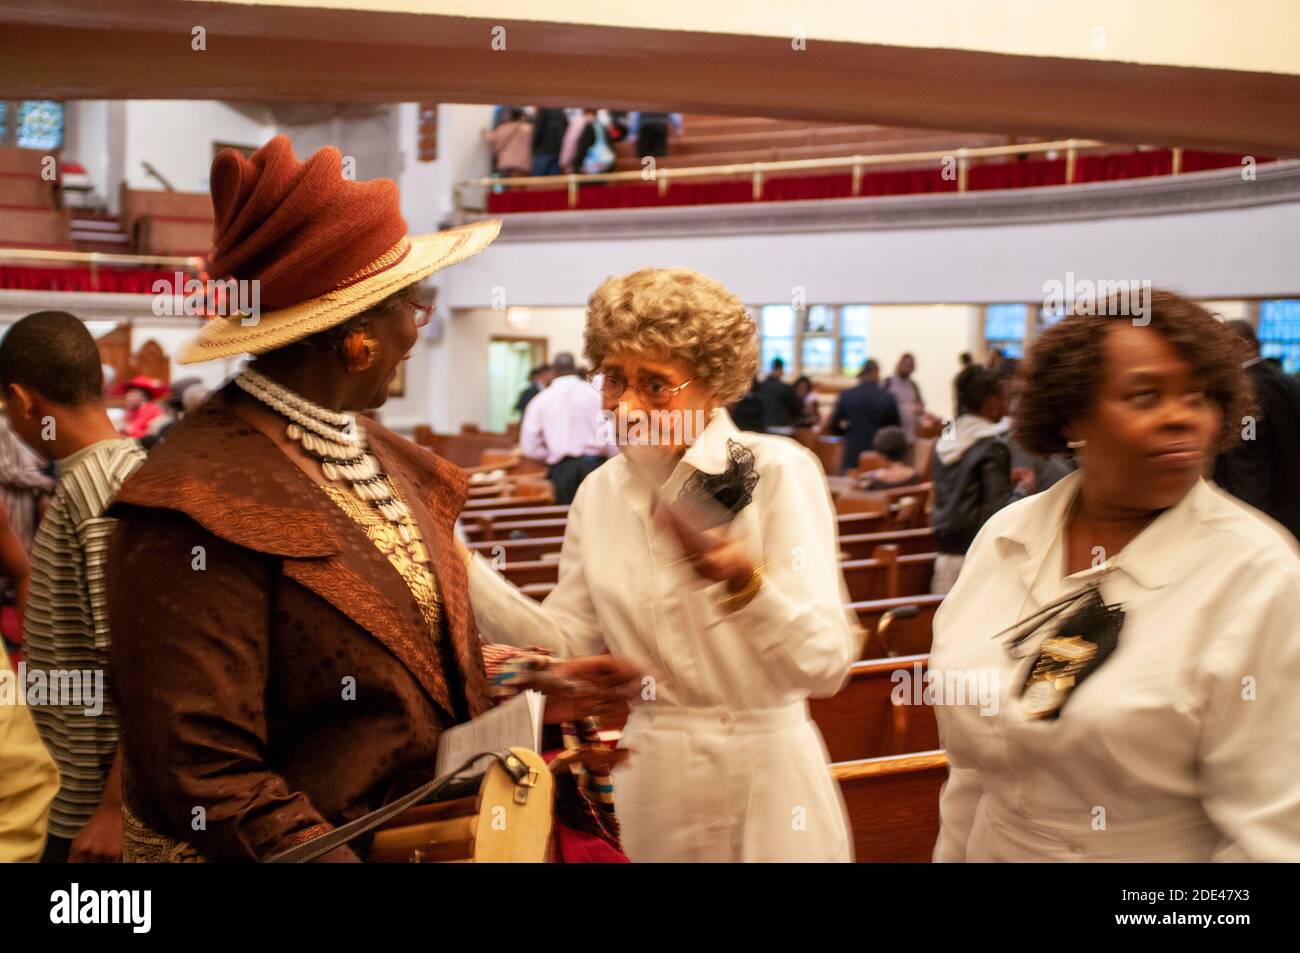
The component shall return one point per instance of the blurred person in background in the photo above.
(1263, 469)
(23, 482)
(549, 126)
(512, 144)
(651, 132)
(972, 472)
(174, 406)
(782, 407)
(1140, 624)
(563, 428)
(907, 392)
(1046, 470)
(811, 414)
(29, 780)
(140, 392)
(860, 412)
(747, 412)
(539, 378)
(891, 443)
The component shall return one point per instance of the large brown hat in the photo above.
(321, 247)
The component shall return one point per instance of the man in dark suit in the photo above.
(782, 407)
(1264, 468)
(862, 410)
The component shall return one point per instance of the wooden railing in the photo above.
(95, 260)
(858, 164)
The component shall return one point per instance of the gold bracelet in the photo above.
(738, 600)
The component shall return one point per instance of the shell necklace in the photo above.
(336, 442)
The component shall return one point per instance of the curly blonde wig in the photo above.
(680, 314)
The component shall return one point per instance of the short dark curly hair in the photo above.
(1062, 371)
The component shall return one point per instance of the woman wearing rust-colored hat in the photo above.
(291, 629)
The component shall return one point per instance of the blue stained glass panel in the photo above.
(1279, 332)
(774, 348)
(818, 355)
(853, 354)
(777, 320)
(855, 320)
(1005, 322)
(40, 124)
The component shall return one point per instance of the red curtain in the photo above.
(1022, 174)
(113, 280)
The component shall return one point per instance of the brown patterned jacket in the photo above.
(242, 601)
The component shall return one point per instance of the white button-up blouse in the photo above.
(727, 764)
(1183, 745)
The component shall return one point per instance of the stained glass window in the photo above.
(777, 324)
(1004, 328)
(40, 124)
(1279, 332)
(855, 320)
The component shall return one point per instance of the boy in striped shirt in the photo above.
(53, 390)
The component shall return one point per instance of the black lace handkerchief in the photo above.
(716, 498)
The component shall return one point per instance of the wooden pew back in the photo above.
(904, 636)
(893, 805)
(862, 721)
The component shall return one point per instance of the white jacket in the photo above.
(726, 764)
(1184, 745)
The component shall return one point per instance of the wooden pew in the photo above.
(530, 572)
(904, 636)
(527, 510)
(519, 550)
(887, 575)
(163, 206)
(499, 528)
(539, 502)
(861, 720)
(26, 192)
(34, 228)
(28, 163)
(893, 805)
(164, 235)
(465, 449)
(908, 541)
(854, 523)
(866, 579)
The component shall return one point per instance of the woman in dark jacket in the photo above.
(291, 626)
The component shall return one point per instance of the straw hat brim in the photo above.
(230, 336)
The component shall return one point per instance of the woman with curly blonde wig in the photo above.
(707, 557)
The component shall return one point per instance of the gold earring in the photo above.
(359, 351)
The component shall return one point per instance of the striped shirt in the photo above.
(65, 631)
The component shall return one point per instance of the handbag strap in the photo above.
(331, 840)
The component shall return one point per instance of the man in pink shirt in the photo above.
(563, 427)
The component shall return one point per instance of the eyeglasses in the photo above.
(653, 392)
(419, 310)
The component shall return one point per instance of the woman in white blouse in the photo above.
(1167, 726)
(735, 625)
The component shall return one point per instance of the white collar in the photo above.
(709, 452)
(1150, 559)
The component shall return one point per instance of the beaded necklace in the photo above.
(336, 442)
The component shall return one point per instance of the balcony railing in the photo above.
(94, 261)
(758, 171)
